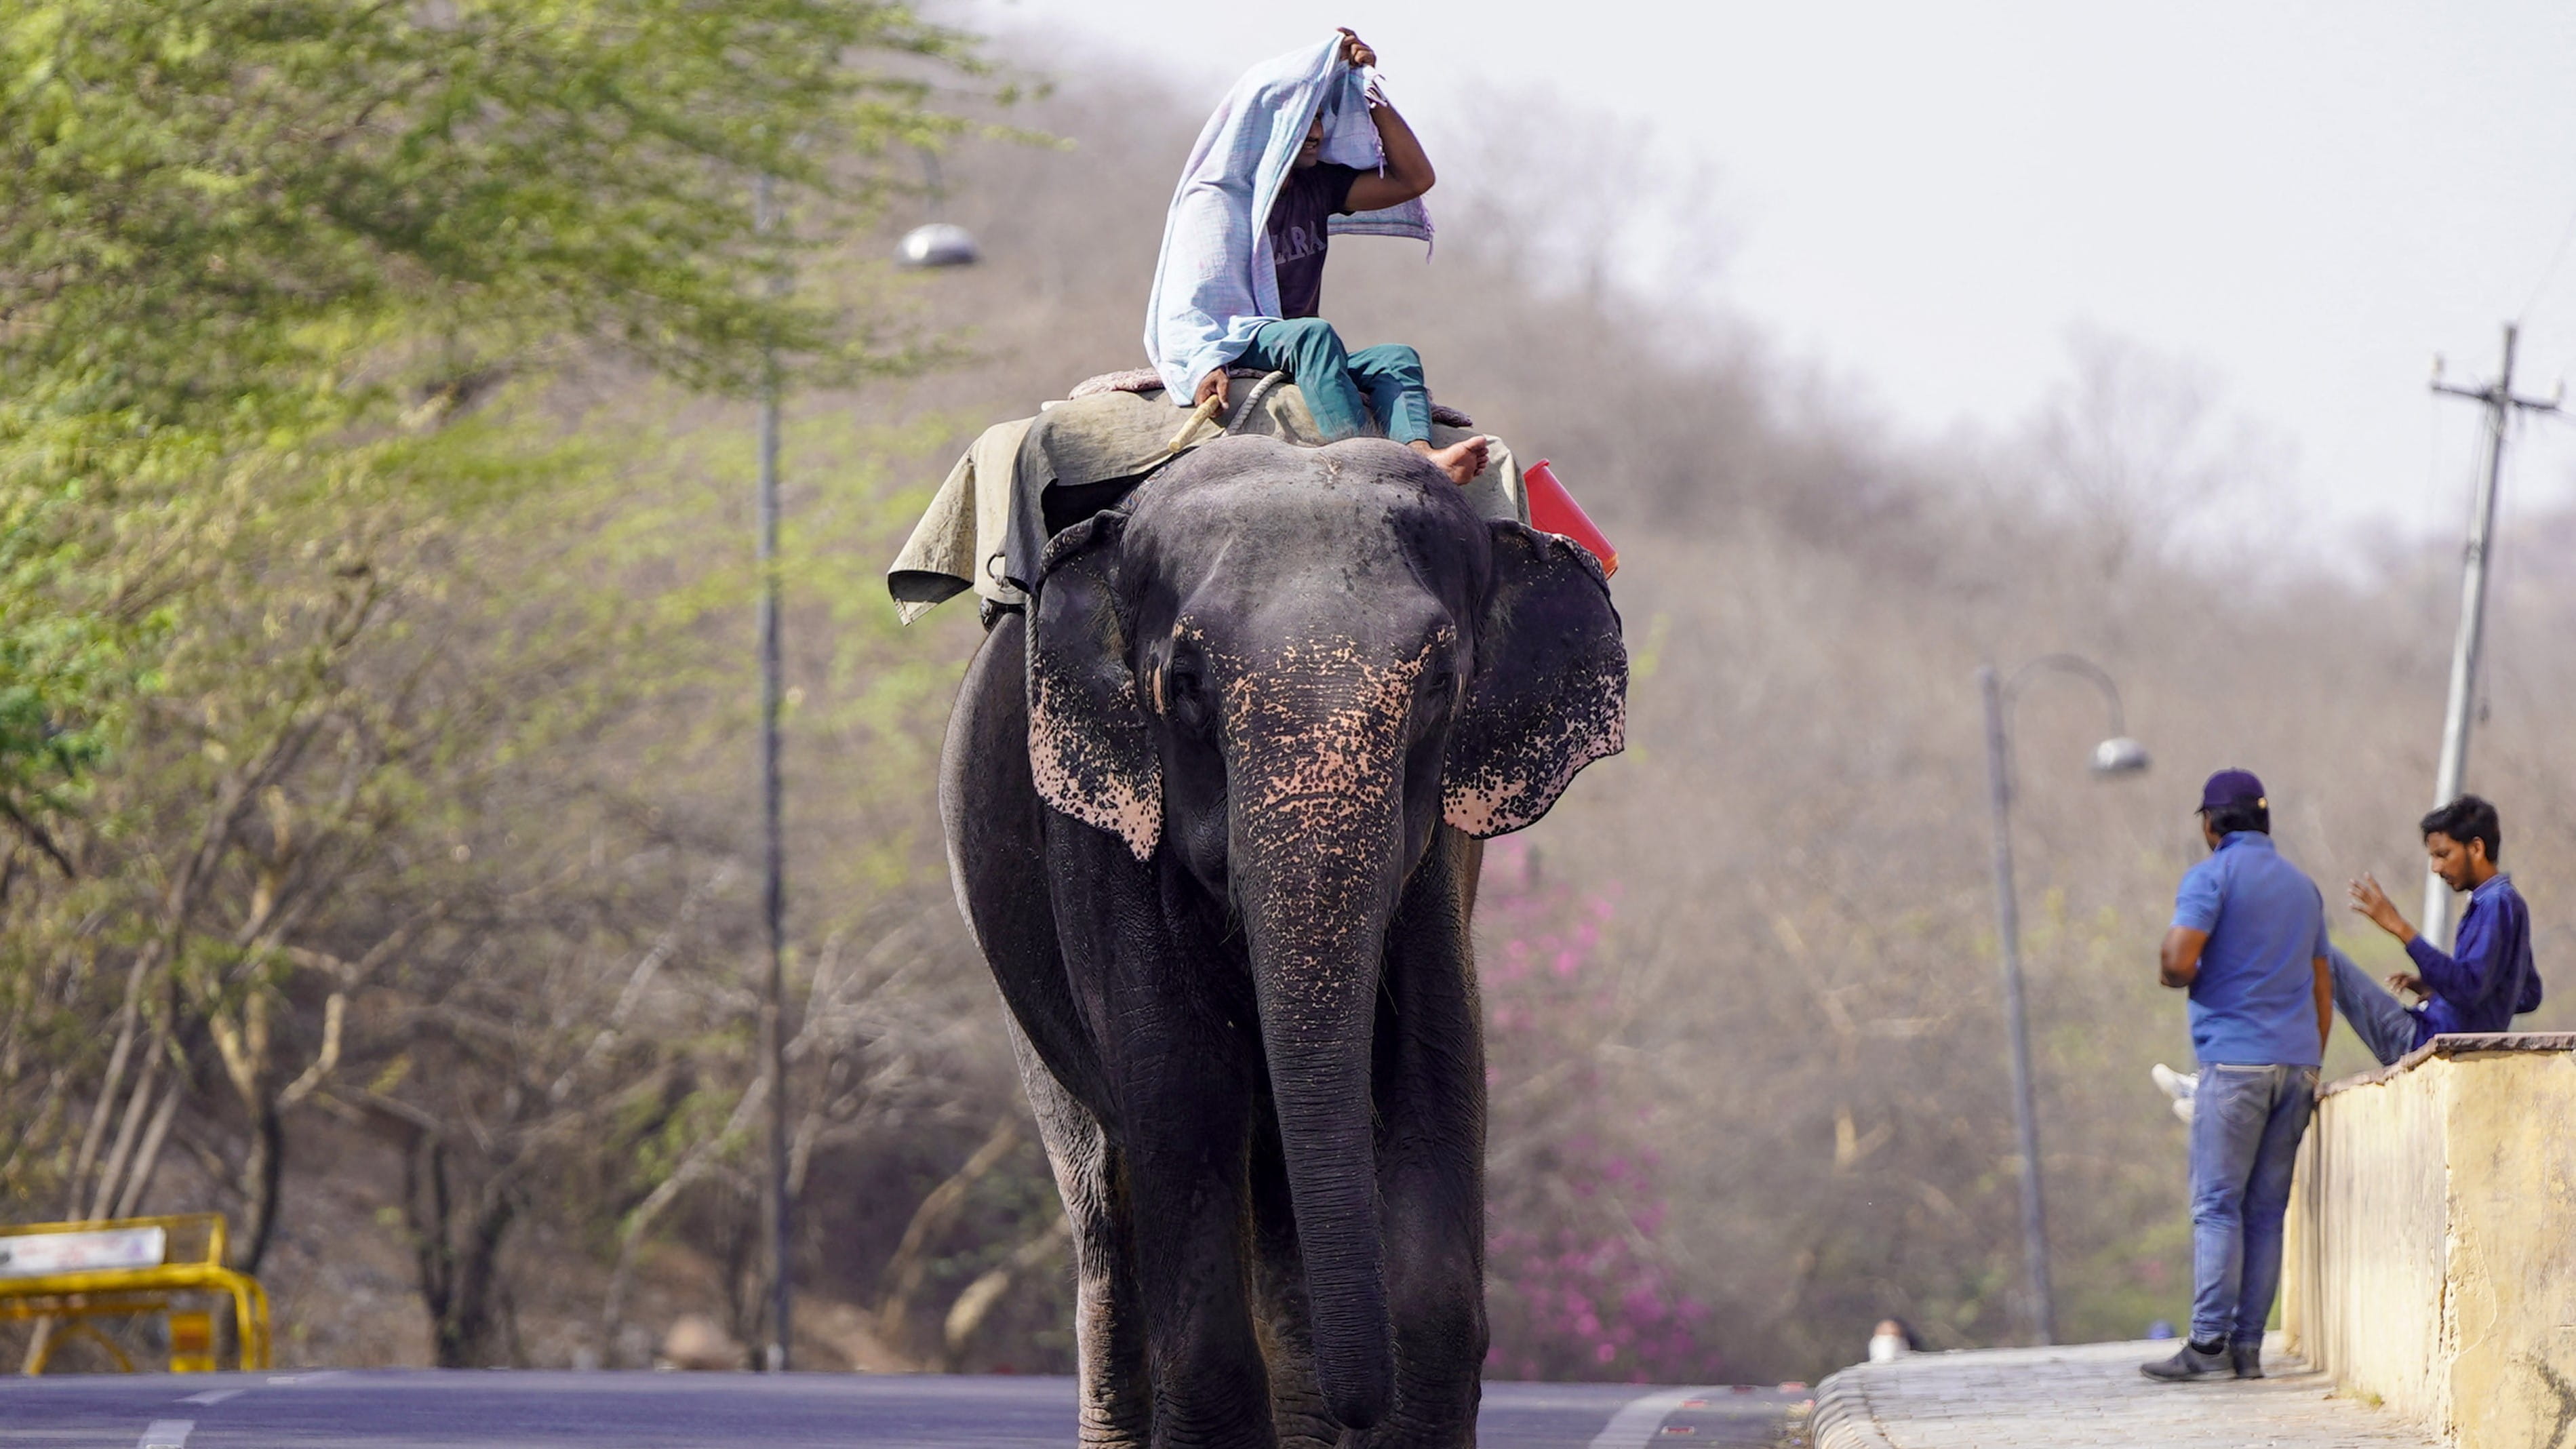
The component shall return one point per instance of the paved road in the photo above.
(420, 1410)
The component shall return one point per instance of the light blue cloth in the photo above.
(1216, 282)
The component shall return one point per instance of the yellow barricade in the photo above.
(120, 1266)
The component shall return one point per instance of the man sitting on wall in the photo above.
(2484, 981)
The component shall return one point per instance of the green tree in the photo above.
(287, 288)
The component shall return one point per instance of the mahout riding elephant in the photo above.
(1214, 807)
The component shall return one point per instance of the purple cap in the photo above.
(2233, 787)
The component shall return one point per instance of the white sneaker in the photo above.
(2180, 1086)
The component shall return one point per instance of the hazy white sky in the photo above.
(2308, 200)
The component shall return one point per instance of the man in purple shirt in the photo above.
(2487, 978)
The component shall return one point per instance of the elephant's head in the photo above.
(1283, 668)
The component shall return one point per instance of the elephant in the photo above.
(1215, 802)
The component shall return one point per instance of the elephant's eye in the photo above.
(1438, 693)
(1185, 698)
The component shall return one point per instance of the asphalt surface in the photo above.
(387, 1409)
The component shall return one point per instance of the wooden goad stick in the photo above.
(1198, 415)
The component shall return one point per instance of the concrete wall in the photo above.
(2432, 1253)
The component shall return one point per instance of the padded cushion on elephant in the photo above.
(1007, 494)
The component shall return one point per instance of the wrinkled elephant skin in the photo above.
(1213, 809)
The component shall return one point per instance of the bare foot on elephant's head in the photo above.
(1461, 460)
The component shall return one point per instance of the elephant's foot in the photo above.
(1115, 1415)
(1117, 1410)
(1105, 1433)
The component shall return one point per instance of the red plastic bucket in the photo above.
(1553, 510)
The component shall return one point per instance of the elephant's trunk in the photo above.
(1319, 1078)
(1316, 1022)
(1316, 880)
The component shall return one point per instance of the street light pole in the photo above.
(775, 1225)
(2034, 1211)
(2117, 755)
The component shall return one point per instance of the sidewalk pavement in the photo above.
(2088, 1395)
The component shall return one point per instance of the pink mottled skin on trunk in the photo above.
(1326, 724)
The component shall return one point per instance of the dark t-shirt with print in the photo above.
(1297, 238)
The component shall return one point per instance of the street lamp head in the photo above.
(2120, 756)
(939, 244)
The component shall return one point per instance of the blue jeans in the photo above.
(2381, 1021)
(1334, 381)
(2246, 1122)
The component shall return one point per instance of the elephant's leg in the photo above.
(1188, 1106)
(1279, 1289)
(994, 823)
(1109, 1325)
(1430, 1084)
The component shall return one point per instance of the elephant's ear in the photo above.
(1088, 744)
(1551, 688)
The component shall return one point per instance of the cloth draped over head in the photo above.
(1216, 282)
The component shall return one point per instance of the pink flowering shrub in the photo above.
(1576, 1284)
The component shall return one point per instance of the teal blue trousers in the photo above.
(1343, 388)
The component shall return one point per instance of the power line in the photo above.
(2549, 272)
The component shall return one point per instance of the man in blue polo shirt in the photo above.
(2488, 976)
(2249, 942)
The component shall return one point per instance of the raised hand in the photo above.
(2369, 900)
(1355, 50)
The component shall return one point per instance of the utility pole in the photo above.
(2498, 397)
(776, 1232)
